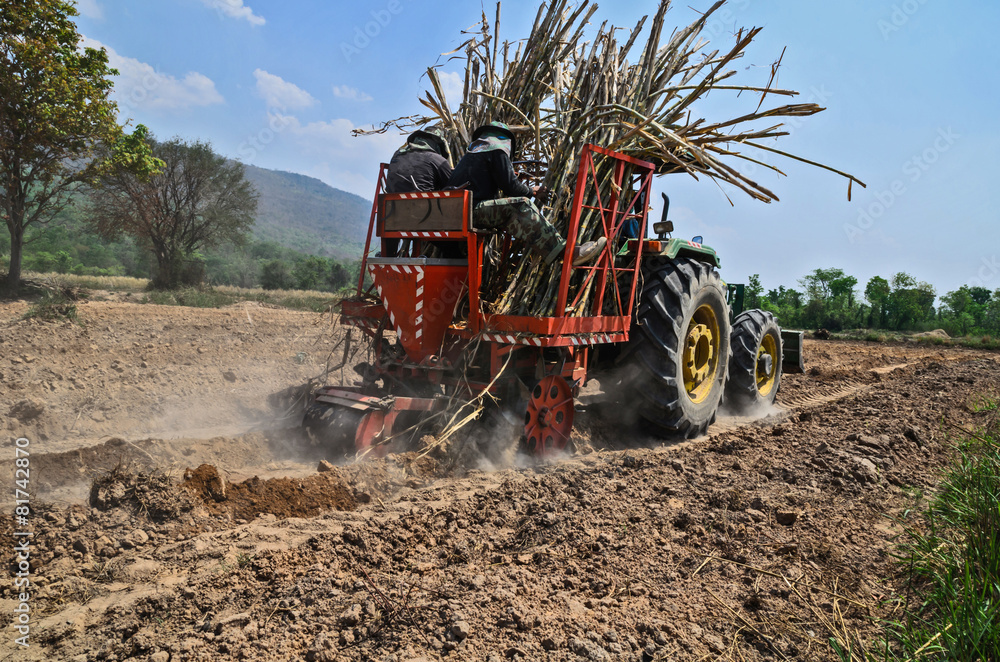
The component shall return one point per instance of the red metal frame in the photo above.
(613, 217)
(562, 330)
(461, 233)
(512, 342)
(378, 425)
(379, 184)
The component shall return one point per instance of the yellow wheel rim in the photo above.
(701, 354)
(766, 378)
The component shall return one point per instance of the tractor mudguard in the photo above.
(671, 249)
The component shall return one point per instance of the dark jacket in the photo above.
(488, 173)
(417, 171)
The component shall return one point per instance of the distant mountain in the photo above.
(305, 214)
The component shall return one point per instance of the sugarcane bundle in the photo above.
(560, 92)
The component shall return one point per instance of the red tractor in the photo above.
(650, 318)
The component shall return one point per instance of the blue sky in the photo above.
(910, 87)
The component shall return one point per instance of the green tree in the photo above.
(843, 288)
(55, 111)
(980, 295)
(311, 272)
(785, 297)
(877, 293)
(275, 275)
(819, 284)
(786, 304)
(339, 276)
(965, 323)
(992, 317)
(831, 302)
(910, 302)
(968, 307)
(267, 250)
(196, 200)
(232, 265)
(754, 290)
(957, 302)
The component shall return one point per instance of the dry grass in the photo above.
(128, 284)
(111, 283)
(213, 297)
(275, 294)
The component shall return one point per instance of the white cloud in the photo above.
(89, 8)
(235, 9)
(279, 93)
(453, 86)
(325, 150)
(335, 136)
(350, 93)
(139, 85)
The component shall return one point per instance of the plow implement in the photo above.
(351, 422)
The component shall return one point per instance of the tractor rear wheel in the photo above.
(755, 360)
(678, 351)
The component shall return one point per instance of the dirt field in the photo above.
(754, 543)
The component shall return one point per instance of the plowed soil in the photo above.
(177, 511)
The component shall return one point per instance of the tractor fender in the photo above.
(682, 248)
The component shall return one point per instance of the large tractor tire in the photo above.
(754, 361)
(678, 348)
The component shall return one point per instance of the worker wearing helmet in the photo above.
(422, 164)
(502, 201)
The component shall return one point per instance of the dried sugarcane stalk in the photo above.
(560, 92)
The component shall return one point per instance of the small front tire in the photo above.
(755, 360)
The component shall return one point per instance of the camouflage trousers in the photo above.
(521, 218)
